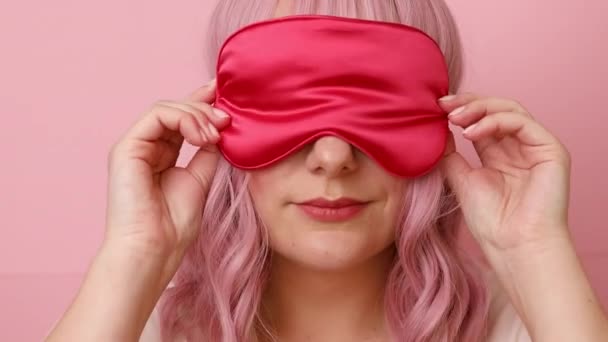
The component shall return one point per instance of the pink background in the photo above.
(74, 75)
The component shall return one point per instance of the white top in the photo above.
(505, 324)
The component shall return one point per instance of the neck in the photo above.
(320, 305)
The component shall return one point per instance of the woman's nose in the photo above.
(331, 156)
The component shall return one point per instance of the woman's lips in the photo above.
(326, 210)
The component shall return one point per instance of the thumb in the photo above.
(187, 190)
(454, 167)
(202, 166)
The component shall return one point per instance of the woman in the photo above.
(362, 278)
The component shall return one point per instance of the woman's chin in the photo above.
(333, 250)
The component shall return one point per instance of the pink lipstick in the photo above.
(326, 210)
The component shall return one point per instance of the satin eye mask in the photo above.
(288, 81)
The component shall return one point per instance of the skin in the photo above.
(327, 279)
(315, 264)
(154, 211)
(523, 186)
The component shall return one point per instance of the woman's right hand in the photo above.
(154, 207)
(154, 212)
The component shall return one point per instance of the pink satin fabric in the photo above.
(288, 81)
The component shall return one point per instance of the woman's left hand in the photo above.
(519, 196)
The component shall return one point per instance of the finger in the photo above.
(453, 165)
(450, 102)
(525, 129)
(207, 130)
(206, 93)
(476, 103)
(455, 169)
(162, 119)
(202, 116)
(472, 112)
(219, 118)
(203, 165)
(466, 117)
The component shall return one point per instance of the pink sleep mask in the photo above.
(288, 81)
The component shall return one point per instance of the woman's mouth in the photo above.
(326, 210)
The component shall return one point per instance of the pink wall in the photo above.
(75, 74)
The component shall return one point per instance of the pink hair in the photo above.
(433, 293)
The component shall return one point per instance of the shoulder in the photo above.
(504, 323)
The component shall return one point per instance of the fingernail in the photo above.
(213, 130)
(447, 98)
(469, 129)
(456, 111)
(220, 113)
